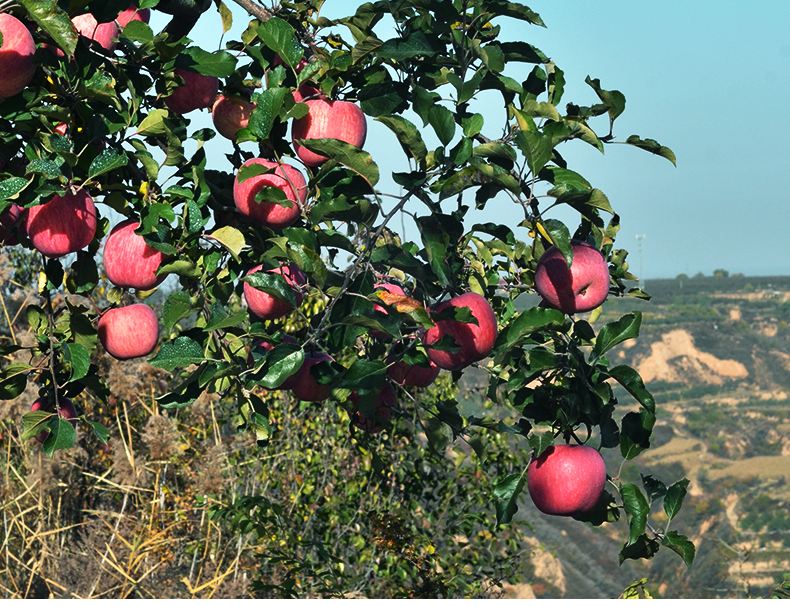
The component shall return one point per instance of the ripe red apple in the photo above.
(67, 412)
(328, 119)
(133, 14)
(129, 332)
(16, 56)
(289, 382)
(129, 261)
(306, 387)
(7, 221)
(268, 307)
(63, 225)
(417, 376)
(566, 479)
(268, 214)
(581, 288)
(384, 403)
(476, 341)
(103, 33)
(231, 114)
(198, 91)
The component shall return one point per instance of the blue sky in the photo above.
(711, 80)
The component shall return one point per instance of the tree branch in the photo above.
(255, 10)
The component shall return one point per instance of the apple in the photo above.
(341, 120)
(566, 479)
(133, 14)
(231, 114)
(198, 91)
(417, 376)
(581, 288)
(67, 412)
(289, 382)
(269, 214)
(103, 33)
(268, 307)
(384, 403)
(305, 386)
(65, 224)
(16, 56)
(7, 222)
(129, 332)
(129, 261)
(475, 340)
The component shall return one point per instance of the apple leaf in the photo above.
(219, 64)
(579, 199)
(177, 306)
(407, 134)
(529, 321)
(613, 333)
(346, 154)
(536, 148)
(44, 167)
(181, 267)
(631, 381)
(181, 352)
(13, 380)
(267, 107)
(272, 283)
(280, 363)
(223, 322)
(363, 375)
(185, 393)
(643, 548)
(100, 432)
(681, 545)
(443, 123)
(279, 36)
(62, 435)
(34, 424)
(635, 433)
(652, 146)
(231, 239)
(109, 160)
(54, 21)
(416, 44)
(154, 124)
(506, 494)
(79, 359)
(559, 235)
(637, 508)
(9, 188)
(540, 442)
(655, 488)
(674, 497)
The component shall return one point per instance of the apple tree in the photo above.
(289, 270)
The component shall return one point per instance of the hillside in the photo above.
(716, 354)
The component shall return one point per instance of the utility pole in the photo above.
(639, 239)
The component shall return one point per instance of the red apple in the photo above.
(7, 222)
(198, 91)
(417, 376)
(103, 33)
(63, 225)
(129, 261)
(16, 56)
(581, 288)
(268, 214)
(67, 412)
(306, 387)
(384, 403)
(268, 307)
(129, 332)
(341, 120)
(231, 114)
(133, 14)
(476, 341)
(566, 479)
(289, 382)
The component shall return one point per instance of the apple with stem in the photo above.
(129, 261)
(417, 376)
(475, 340)
(270, 214)
(581, 288)
(385, 401)
(231, 113)
(7, 222)
(306, 387)
(341, 120)
(133, 14)
(269, 307)
(67, 412)
(102, 33)
(65, 224)
(16, 56)
(129, 332)
(566, 479)
(198, 91)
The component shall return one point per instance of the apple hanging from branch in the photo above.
(326, 119)
(129, 332)
(16, 56)
(65, 224)
(67, 412)
(581, 288)
(268, 307)
(197, 92)
(129, 261)
(270, 214)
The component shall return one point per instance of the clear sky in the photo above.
(711, 80)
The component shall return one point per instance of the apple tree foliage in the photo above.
(422, 81)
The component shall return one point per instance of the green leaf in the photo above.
(515, 11)
(274, 284)
(408, 135)
(181, 267)
(560, 238)
(443, 122)
(54, 21)
(153, 124)
(613, 333)
(529, 321)
(637, 508)
(472, 125)
(79, 359)
(220, 64)
(655, 488)
(11, 187)
(109, 160)
(234, 320)
(346, 154)
(400, 49)
(181, 352)
(34, 423)
(45, 167)
(230, 238)
(681, 545)
(13, 380)
(267, 107)
(62, 435)
(644, 548)
(439, 234)
(540, 442)
(673, 500)
(506, 494)
(536, 148)
(279, 36)
(177, 307)
(614, 100)
(636, 429)
(364, 375)
(631, 381)
(652, 146)
(102, 433)
(281, 363)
